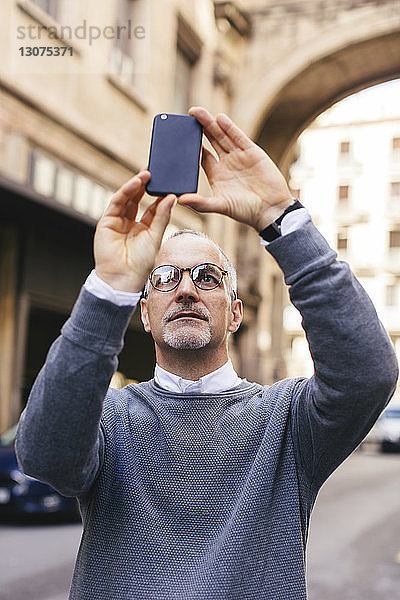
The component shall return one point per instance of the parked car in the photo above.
(388, 427)
(21, 495)
(386, 431)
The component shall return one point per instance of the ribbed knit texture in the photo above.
(206, 497)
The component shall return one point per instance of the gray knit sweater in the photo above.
(206, 497)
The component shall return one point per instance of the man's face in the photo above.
(188, 318)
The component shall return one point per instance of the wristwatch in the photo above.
(273, 231)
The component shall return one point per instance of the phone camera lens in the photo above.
(164, 116)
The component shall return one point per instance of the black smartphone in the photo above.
(174, 155)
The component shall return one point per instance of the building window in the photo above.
(391, 295)
(342, 240)
(56, 180)
(123, 14)
(83, 191)
(394, 239)
(395, 189)
(396, 144)
(42, 174)
(121, 59)
(183, 82)
(343, 193)
(344, 148)
(51, 7)
(396, 149)
(65, 185)
(129, 54)
(188, 50)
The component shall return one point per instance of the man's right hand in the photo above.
(125, 249)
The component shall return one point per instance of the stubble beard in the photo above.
(186, 335)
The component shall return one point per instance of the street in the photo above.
(353, 554)
(354, 544)
(37, 561)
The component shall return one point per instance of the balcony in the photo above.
(392, 261)
(347, 214)
(392, 208)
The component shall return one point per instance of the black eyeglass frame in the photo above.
(224, 273)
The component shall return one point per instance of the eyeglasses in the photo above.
(206, 276)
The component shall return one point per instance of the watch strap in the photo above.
(273, 231)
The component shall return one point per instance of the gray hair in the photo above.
(226, 263)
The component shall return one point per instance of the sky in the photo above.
(379, 101)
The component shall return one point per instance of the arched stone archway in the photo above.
(314, 71)
(296, 66)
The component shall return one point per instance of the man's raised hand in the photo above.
(124, 248)
(246, 184)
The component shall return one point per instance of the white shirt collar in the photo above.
(220, 380)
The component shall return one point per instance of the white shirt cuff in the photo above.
(103, 290)
(292, 221)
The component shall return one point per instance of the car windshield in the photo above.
(8, 437)
(392, 413)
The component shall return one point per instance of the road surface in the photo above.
(354, 544)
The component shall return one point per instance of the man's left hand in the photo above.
(246, 184)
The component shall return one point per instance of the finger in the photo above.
(208, 162)
(149, 213)
(131, 209)
(211, 128)
(162, 216)
(218, 149)
(202, 203)
(131, 191)
(235, 134)
(144, 175)
(157, 216)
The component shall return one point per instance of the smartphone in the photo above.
(174, 155)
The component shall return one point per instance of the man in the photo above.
(199, 484)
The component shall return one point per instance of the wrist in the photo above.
(273, 230)
(272, 213)
(121, 282)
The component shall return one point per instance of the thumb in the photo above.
(202, 203)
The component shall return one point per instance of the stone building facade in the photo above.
(79, 86)
(348, 176)
(80, 83)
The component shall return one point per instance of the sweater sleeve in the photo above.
(355, 368)
(59, 439)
